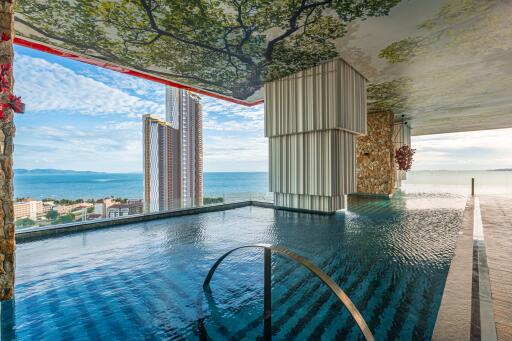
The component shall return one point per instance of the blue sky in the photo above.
(83, 117)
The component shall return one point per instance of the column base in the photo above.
(317, 203)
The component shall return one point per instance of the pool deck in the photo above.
(477, 301)
(497, 221)
(454, 317)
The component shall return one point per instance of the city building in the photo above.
(48, 206)
(123, 210)
(102, 206)
(67, 209)
(173, 154)
(28, 208)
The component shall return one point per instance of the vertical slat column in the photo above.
(312, 119)
(7, 241)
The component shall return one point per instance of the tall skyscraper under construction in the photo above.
(173, 153)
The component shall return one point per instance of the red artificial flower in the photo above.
(403, 157)
(5, 36)
(16, 103)
(4, 83)
(4, 77)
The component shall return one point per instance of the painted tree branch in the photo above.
(152, 21)
(84, 47)
(292, 26)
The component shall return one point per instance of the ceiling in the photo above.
(442, 65)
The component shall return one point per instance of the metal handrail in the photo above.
(315, 270)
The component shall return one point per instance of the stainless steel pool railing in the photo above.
(267, 301)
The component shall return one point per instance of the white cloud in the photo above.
(138, 86)
(222, 116)
(46, 86)
(477, 150)
(236, 153)
(232, 125)
(72, 147)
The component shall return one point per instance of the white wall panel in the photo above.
(328, 96)
(312, 119)
(316, 163)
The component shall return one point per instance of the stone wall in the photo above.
(7, 241)
(374, 156)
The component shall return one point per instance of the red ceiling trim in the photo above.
(44, 48)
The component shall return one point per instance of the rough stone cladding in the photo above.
(375, 165)
(7, 241)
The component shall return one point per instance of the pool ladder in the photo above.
(267, 287)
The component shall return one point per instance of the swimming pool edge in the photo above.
(36, 233)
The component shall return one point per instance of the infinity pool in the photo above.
(143, 281)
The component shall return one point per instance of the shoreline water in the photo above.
(91, 185)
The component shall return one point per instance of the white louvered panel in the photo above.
(329, 96)
(316, 163)
(309, 202)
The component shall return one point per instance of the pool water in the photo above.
(144, 281)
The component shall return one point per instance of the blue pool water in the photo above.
(143, 281)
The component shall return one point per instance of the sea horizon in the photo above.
(68, 184)
(55, 170)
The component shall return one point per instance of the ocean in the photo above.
(459, 182)
(125, 185)
(129, 185)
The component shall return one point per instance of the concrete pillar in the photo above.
(7, 241)
(312, 119)
(376, 170)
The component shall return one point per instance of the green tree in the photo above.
(90, 209)
(63, 219)
(400, 51)
(52, 215)
(389, 96)
(25, 222)
(221, 46)
(213, 200)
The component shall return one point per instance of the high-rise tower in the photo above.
(173, 154)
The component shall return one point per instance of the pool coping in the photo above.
(466, 310)
(36, 233)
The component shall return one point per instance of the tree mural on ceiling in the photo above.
(228, 47)
(453, 31)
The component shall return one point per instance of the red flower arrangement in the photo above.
(4, 77)
(16, 104)
(9, 101)
(403, 157)
(5, 36)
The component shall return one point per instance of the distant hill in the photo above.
(502, 170)
(52, 171)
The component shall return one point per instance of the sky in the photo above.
(83, 117)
